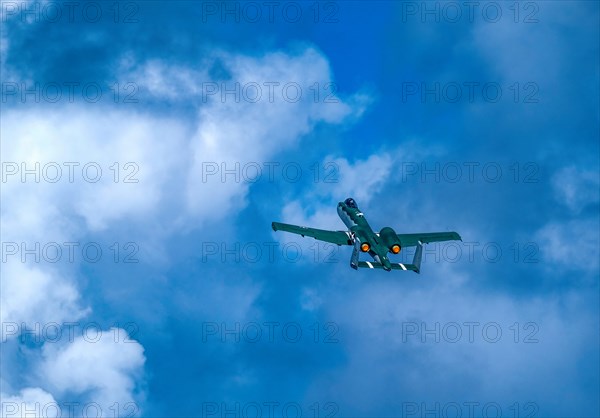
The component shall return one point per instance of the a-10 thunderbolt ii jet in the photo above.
(363, 239)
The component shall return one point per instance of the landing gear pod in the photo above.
(354, 259)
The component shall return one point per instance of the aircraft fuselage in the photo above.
(362, 232)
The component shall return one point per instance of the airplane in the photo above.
(363, 239)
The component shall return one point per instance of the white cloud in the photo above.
(402, 340)
(570, 245)
(90, 139)
(310, 300)
(364, 178)
(371, 312)
(37, 212)
(28, 403)
(513, 49)
(32, 295)
(105, 371)
(263, 106)
(231, 132)
(169, 195)
(361, 180)
(576, 188)
(162, 80)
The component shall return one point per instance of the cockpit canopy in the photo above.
(350, 203)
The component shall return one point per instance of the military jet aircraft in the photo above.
(363, 239)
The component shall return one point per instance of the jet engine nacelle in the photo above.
(390, 239)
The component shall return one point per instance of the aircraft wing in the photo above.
(335, 237)
(411, 240)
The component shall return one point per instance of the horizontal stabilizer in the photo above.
(395, 266)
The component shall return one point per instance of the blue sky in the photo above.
(146, 149)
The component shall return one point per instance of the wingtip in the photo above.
(273, 226)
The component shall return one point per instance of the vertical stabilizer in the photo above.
(418, 255)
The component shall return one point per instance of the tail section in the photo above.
(415, 266)
(394, 266)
